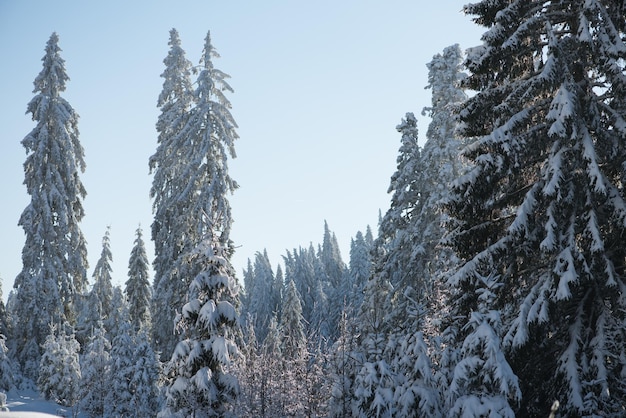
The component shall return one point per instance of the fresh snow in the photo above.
(29, 404)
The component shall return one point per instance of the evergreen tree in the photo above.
(54, 257)
(343, 369)
(294, 341)
(263, 301)
(294, 354)
(202, 382)
(95, 367)
(89, 311)
(542, 209)
(122, 369)
(483, 382)
(246, 297)
(278, 289)
(102, 283)
(360, 270)
(59, 368)
(145, 393)
(249, 375)
(138, 291)
(175, 102)
(118, 317)
(375, 380)
(8, 370)
(201, 183)
(441, 166)
(337, 275)
(6, 327)
(330, 256)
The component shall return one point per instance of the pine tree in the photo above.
(119, 316)
(294, 339)
(441, 166)
(102, 283)
(144, 383)
(54, 257)
(201, 146)
(122, 369)
(89, 310)
(483, 383)
(249, 375)
(359, 272)
(202, 382)
(95, 366)
(343, 369)
(6, 328)
(336, 274)
(375, 379)
(8, 370)
(543, 207)
(59, 368)
(263, 301)
(272, 402)
(175, 102)
(289, 373)
(138, 290)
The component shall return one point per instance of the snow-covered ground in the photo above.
(28, 404)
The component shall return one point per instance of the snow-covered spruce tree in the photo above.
(59, 368)
(441, 165)
(102, 283)
(54, 257)
(343, 369)
(294, 352)
(394, 244)
(336, 273)
(483, 383)
(6, 327)
(201, 149)
(375, 381)
(411, 253)
(262, 299)
(8, 370)
(316, 383)
(202, 384)
(95, 366)
(119, 313)
(382, 315)
(89, 310)
(543, 209)
(250, 372)
(138, 290)
(168, 231)
(360, 271)
(294, 341)
(122, 369)
(144, 383)
(245, 297)
(262, 388)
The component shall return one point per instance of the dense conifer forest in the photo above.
(494, 284)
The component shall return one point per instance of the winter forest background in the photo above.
(492, 285)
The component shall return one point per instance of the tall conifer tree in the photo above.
(102, 281)
(201, 364)
(138, 290)
(168, 234)
(54, 257)
(543, 211)
(196, 157)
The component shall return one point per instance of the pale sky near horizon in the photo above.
(319, 89)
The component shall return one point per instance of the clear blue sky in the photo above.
(319, 88)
